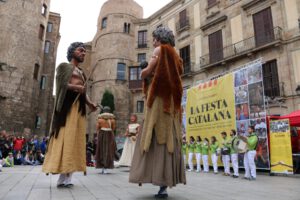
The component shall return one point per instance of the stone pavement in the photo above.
(27, 182)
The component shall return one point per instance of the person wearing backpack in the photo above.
(249, 163)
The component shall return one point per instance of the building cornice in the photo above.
(213, 22)
(160, 12)
(251, 3)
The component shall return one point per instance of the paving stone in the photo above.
(26, 182)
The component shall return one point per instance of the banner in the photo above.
(210, 108)
(280, 147)
(232, 101)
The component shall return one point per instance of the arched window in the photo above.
(125, 28)
(104, 23)
(128, 28)
(36, 71)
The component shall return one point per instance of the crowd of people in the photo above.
(225, 150)
(20, 150)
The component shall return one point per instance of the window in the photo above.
(36, 71)
(126, 28)
(135, 81)
(263, 27)
(43, 82)
(121, 71)
(49, 27)
(41, 32)
(47, 47)
(211, 3)
(38, 121)
(133, 74)
(185, 55)
(141, 57)
(44, 9)
(183, 21)
(142, 39)
(140, 106)
(215, 42)
(104, 23)
(271, 82)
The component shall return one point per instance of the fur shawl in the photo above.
(166, 82)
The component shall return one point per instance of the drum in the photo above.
(239, 145)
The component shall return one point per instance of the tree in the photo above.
(108, 100)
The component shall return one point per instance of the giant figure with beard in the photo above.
(66, 150)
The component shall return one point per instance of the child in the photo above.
(8, 161)
(205, 148)
(214, 156)
(191, 148)
(198, 151)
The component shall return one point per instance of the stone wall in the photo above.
(22, 61)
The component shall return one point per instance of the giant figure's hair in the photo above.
(164, 35)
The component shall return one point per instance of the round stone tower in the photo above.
(112, 53)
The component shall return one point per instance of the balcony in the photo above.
(242, 48)
(135, 85)
(187, 68)
(142, 45)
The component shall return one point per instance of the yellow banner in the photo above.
(210, 108)
(280, 147)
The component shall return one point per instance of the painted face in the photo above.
(79, 54)
(133, 118)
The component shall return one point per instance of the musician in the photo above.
(132, 132)
(198, 151)
(205, 149)
(191, 149)
(225, 151)
(234, 155)
(66, 152)
(249, 163)
(214, 155)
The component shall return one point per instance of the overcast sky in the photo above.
(79, 20)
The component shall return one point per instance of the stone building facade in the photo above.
(27, 64)
(212, 37)
(111, 54)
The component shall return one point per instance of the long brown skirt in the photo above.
(105, 152)
(157, 166)
(67, 152)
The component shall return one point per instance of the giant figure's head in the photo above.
(164, 35)
(71, 51)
